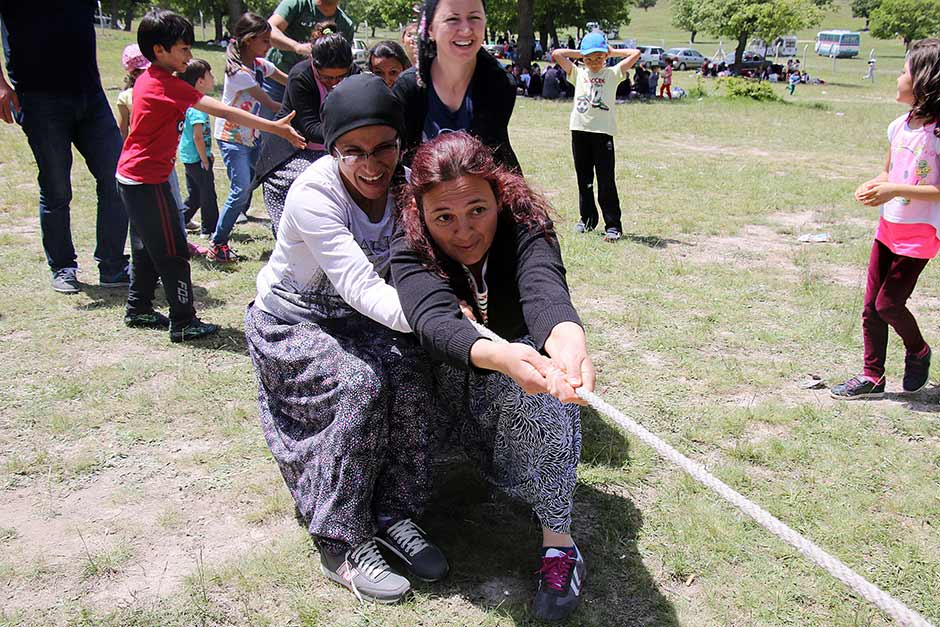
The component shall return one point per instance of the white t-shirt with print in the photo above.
(594, 97)
(236, 94)
(329, 259)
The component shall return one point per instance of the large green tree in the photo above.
(685, 16)
(908, 19)
(864, 8)
(743, 19)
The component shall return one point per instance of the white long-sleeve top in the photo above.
(329, 259)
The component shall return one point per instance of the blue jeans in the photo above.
(240, 161)
(53, 123)
(274, 89)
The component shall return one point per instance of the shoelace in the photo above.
(555, 570)
(408, 536)
(369, 560)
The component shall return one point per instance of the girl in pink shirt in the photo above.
(908, 234)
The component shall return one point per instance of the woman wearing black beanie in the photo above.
(456, 85)
(343, 386)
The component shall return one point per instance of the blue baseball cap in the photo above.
(594, 42)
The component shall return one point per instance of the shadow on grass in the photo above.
(227, 339)
(926, 401)
(651, 241)
(493, 544)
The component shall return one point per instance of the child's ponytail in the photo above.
(248, 25)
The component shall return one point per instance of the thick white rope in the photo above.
(835, 567)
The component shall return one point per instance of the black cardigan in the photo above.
(493, 92)
(302, 96)
(525, 279)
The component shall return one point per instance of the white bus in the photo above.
(837, 43)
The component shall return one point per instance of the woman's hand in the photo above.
(572, 365)
(874, 193)
(522, 363)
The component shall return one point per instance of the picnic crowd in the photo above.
(401, 216)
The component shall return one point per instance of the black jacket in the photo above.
(525, 280)
(493, 93)
(302, 96)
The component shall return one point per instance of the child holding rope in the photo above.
(593, 125)
(908, 234)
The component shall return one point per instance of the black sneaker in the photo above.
(363, 570)
(916, 372)
(149, 320)
(65, 281)
(561, 580)
(858, 388)
(410, 543)
(194, 330)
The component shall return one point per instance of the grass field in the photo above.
(137, 489)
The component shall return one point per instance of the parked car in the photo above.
(651, 55)
(494, 49)
(684, 58)
(750, 60)
(360, 53)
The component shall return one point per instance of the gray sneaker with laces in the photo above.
(410, 543)
(65, 281)
(364, 571)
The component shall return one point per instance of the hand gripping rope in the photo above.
(872, 593)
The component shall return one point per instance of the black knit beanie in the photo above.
(360, 100)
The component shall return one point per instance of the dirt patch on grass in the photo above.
(74, 529)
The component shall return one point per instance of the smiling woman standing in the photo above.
(456, 85)
(343, 387)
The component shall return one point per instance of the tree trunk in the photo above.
(907, 44)
(219, 16)
(373, 30)
(114, 13)
(129, 16)
(739, 51)
(526, 40)
(692, 37)
(235, 10)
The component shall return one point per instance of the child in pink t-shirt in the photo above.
(908, 235)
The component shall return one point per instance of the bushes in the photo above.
(735, 87)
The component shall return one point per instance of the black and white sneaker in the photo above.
(561, 580)
(410, 543)
(859, 387)
(363, 570)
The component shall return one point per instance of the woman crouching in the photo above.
(343, 387)
(475, 239)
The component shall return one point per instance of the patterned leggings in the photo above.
(526, 445)
(275, 187)
(344, 407)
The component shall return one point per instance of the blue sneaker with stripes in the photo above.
(561, 580)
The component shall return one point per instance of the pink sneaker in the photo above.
(197, 250)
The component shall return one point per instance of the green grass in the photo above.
(138, 489)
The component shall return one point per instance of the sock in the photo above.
(558, 551)
(923, 353)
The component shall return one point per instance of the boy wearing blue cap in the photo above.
(593, 124)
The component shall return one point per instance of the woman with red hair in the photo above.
(475, 242)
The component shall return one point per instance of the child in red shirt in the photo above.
(158, 241)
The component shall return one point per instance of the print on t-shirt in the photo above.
(594, 96)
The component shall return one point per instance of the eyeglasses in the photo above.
(331, 80)
(381, 152)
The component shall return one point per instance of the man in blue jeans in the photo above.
(58, 107)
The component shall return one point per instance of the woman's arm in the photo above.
(320, 219)
(281, 128)
(304, 96)
(279, 76)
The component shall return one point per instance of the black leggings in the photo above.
(595, 152)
